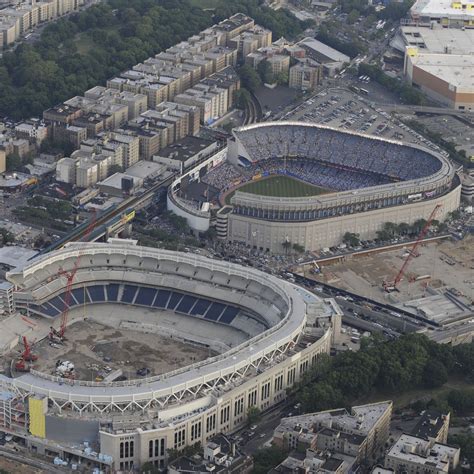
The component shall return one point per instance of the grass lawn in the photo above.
(280, 186)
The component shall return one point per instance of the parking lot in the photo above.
(348, 110)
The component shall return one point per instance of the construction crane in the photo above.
(56, 334)
(26, 356)
(389, 287)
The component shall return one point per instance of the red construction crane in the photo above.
(70, 276)
(411, 253)
(26, 356)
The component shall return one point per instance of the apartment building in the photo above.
(412, 455)
(305, 75)
(433, 426)
(251, 40)
(9, 30)
(227, 79)
(66, 170)
(131, 145)
(17, 19)
(350, 437)
(34, 131)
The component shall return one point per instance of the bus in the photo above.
(364, 91)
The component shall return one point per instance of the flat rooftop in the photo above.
(440, 9)
(437, 39)
(15, 256)
(323, 52)
(144, 169)
(184, 149)
(456, 69)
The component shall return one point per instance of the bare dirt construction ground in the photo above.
(13, 467)
(449, 264)
(96, 350)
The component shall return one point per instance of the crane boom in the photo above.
(412, 252)
(70, 276)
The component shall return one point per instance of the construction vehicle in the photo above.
(26, 356)
(58, 335)
(412, 253)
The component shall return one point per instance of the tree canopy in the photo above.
(87, 48)
(390, 367)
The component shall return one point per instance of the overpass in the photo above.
(422, 109)
(459, 334)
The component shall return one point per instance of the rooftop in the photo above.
(430, 424)
(413, 449)
(437, 39)
(323, 52)
(185, 148)
(456, 69)
(441, 9)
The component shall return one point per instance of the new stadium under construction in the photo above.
(261, 335)
(360, 182)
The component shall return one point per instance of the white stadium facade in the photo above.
(370, 181)
(265, 331)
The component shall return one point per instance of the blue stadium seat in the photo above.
(80, 295)
(186, 304)
(57, 302)
(161, 299)
(129, 292)
(229, 314)
(112, 291)
(145, 296)
(174, 300)
(215, 311)
(49, 310)
(200, 307)
(96, 293)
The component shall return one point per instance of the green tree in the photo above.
(265, 71)
(242, 98)
(268, 458)
(6, 236)
(298, 248)
(249, 78)
(253, 415)
(352, 17)
(14, 162)
(351, 239)
(434, 374)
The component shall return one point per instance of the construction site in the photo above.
(438, 280)
(96, 352)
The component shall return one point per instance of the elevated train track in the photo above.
(111, 217)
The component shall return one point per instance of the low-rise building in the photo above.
(351, 436)
(411, 455)
(433, 426)
(185, 153)
(331, 59)
(220, 456)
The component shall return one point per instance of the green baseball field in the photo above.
(280, 186)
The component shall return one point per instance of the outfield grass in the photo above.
(280, 186)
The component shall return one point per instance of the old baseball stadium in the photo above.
(308, 184)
